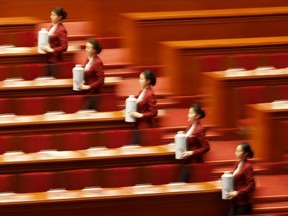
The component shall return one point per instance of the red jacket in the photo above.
(59, 42)
(148, 107)
(244, 183)
(198, 143)
(94, 77)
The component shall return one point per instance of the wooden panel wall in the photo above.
(105, 13)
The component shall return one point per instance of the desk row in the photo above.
(27, 182)
(77, 140)
(64, 104)
(136, 200)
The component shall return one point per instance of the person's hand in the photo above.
(232, 195)
(47, 49)
(186, 154)
(136, 115)
(84, 87)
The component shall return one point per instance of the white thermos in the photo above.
(227, 184)
(43, 39)
(130, 106)
(180, 144)
(78, 76)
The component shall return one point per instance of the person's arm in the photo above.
(62, 36)
(99, 73)
(152, 108)
(152, 111)
(202, 139)
(247, 188)
(250, 182)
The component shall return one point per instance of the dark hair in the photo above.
(96, 45)
(247, 149)
(148, 74)
(198, 110)
(60, 12)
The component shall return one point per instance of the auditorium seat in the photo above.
(200, 172)
(8, 143)
(72, 141)
(36, 182)
(4, 38)
(161, 173)
(119, 176)
(70, 103)
(37, 142)
(116, 138)
(24, 39)
(279, 92)
(249, 95)
(6, 106)
(277, 60)
(284, 140)
(79, 179)
(106, 102)
(247, 61)
(151, 137)
(28, 71)
(7, 183)
(31, 105)
(211, 63)
(64, 70)
(4, 71)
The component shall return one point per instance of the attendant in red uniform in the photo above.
(197, 142)
(94, 71)
(58, 42)
(244, 183)
(146, 101)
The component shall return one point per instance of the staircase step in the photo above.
(161, 104)
(120, 72)
(211, 135)
(271, 207)
(217, 172)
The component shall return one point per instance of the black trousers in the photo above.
(240, 210)
(185, 174)
(135, 139)
(51, 70)
(90, 102)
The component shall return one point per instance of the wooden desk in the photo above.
(94, 158)
(63, 122)
(225, 110)
(143, 31)
(48, 87)
(18, 24)
(105, 14)
(266, 136)
(28, 55)
(178, 57)
(55, 123)
(200, 198)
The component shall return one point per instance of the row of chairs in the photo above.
(247, 61)
(105, 177)
(202, 63)
(71, 141)
(61, 70)
(66, 103)
(258, 94)
(19, 39)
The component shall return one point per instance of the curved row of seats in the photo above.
(208, 63)
(67, 104)
(61, 70)
(248, 61)
(77, 140)
(106, 177)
